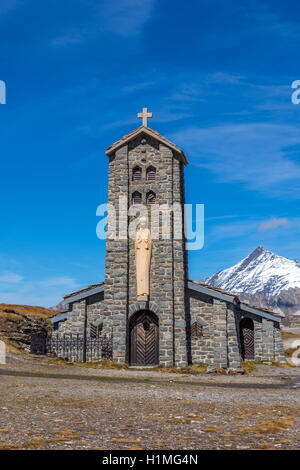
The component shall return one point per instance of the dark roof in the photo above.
(92, 286)
(221, 293)
(148, 131)
(217, 289)
(236, 298)
(59, 312)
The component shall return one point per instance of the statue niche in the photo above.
(143, 248)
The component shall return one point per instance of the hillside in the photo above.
(17, 322)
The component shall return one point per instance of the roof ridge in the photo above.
(150, 132)
(91, 286)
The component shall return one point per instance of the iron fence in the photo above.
(74, 347)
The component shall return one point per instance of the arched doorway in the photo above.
(144, 339)
(247, 338)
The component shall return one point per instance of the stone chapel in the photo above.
(178, 321)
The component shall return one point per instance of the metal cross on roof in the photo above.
(145, 115)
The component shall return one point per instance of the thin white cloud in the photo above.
(58, 281)
(223, 77)
(188, 92)
(139, 86)
(45, 292)
(121, 17)
(273, 223)
(252, 153)
(10, 277)
(125, 17)
(69, 38)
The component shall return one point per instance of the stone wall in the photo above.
(218, 345)
(75, 323)
(220, 342)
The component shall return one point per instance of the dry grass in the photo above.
(126, 441)
(212, 428)
(104, 364)
(269, 427)
(10, 447)
(12, 311)
(249, 366)
(289, 352)
(36, 442)
(58, 439)
(288, 335)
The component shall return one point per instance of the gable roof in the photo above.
(151, 133)
(233, 298)
(195, 286)
(86, 292)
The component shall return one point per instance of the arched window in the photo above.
(150, 198)
(151, 173)
(136, 174)
(136, 198)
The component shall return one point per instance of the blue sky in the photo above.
(216, 75)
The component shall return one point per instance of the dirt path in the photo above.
(49, 406)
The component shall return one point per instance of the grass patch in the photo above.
(250, 366)
(10, 447)
(290, 351)
(58, 439)
(126, 441)
(14, 311)
(269, 427)
(288, 335)
(36, 442)
(212, 428)
(104, 364)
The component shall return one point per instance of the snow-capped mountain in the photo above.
(270, 279)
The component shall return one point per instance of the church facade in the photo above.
(176, 321)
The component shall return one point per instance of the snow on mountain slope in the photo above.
(261, 272)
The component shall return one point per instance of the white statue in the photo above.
(143, 247)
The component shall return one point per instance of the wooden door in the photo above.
(144, 339)
(247, 338)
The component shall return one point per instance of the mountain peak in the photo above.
(262, 272)
(259, 251)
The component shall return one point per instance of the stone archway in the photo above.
(247, 338)
(144, 339)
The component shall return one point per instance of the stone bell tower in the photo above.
(147, 169)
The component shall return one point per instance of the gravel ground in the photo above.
(46, 405)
